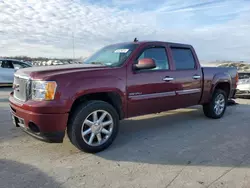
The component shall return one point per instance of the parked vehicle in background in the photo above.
(117, 82)
(7, 69)
(243, 86)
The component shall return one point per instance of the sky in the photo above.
(218, 29)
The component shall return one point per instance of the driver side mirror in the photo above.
(145, 63)
(16, 68)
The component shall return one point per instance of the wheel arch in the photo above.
(225, 86)
(221, 81)
(111, 97)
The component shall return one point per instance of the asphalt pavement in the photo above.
(180, 148)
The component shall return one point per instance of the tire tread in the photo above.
(77, 117)
(208, 108)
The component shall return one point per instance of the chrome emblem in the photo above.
(16, 87)
(136, 93)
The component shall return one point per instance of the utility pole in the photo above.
(73, 37)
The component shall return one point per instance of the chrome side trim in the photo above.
(168, 79)
(188, 91)
(196, 77)
(164, 94)
(153, 95)
(4, 85)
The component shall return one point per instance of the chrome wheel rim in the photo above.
(219, 104)
(97, 128)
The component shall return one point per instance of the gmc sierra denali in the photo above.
(119, 81)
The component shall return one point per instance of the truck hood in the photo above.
(48, 71)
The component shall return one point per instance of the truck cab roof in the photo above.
(158, 42)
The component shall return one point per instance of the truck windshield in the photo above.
(112, 55)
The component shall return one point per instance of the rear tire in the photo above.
(215, 109)
(88, 132)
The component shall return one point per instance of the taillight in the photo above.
(237, 78)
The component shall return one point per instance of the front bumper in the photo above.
(53, 137)
(45, 127)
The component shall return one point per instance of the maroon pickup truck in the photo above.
(119, 81)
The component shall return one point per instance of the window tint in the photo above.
(7, 64)
(18, 64)
(183, 58)
(159, 55)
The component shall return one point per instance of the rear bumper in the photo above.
(243, 89)
(45, 127)
(242, 93)
(5, 84)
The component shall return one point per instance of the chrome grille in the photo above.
(20, 86)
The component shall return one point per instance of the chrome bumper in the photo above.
(242, 93)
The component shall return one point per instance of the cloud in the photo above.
(218, 29)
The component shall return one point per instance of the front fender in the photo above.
(95, 85)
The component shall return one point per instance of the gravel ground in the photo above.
(179, 148)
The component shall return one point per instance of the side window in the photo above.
(17, 64)
(3, 64)
(159, 55)
(24, 65)
(7, 65)
(183, 58)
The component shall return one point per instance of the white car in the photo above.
(243, 86)
(7, 69)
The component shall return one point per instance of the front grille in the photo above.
(21, 88)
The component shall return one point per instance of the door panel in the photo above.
(188, 76)
(6, 72)
(151, 91)
(6, 75)
(189, 90)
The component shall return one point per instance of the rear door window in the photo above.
(183, 58)
(19, 65)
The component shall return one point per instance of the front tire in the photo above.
(216, 107)
(93, 126)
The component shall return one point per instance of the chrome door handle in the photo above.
(196, 77)
(168, 79)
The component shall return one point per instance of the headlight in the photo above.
(43, 90)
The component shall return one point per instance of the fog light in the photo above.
(33, 127)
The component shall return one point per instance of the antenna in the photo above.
(135, 40)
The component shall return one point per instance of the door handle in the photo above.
(168, 79)
(196, 77)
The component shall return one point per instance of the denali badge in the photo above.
(136, 93)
